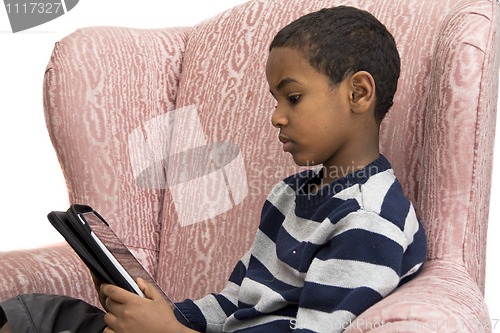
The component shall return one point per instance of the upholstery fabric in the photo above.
(132, 114)
(47, 270)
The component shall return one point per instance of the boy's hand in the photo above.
(97, 285)
(130, 313)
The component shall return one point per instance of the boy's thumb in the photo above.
(148, 289)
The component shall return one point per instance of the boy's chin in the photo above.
(304, 162)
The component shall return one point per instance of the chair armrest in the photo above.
(51, 270)
(443, 298)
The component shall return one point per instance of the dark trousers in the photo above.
(37, 313)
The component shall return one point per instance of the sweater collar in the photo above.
(305, 200)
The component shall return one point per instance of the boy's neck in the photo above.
(360, 148)
(335, 172)
(342, 166)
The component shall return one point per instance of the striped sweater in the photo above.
(319, 259)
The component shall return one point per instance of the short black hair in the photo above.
(343, 40)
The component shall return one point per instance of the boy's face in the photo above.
(313, 117)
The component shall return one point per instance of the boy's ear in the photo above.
(362, 97)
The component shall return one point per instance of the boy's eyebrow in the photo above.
(284, 82)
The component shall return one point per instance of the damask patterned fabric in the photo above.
(143, 119)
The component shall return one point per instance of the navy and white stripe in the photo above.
(319, 260)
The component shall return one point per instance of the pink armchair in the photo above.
(167, 133)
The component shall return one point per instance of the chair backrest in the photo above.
(190, 208)
(438, 134)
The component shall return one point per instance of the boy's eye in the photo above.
(293, 99)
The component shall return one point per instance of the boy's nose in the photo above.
(278, 118)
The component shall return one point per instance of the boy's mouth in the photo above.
(287, 143)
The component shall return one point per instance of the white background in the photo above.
(31, 183)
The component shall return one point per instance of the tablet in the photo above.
(91, 237)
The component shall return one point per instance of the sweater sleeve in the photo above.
(209, 313)
(360, 265)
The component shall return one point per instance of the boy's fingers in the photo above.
(115, 293)
(149, 290)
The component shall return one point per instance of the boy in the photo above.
(333, 240)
